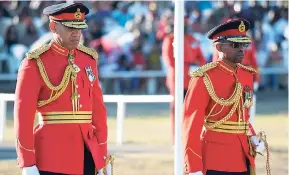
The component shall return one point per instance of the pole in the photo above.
(120, 121)
(179, 83)
(3, 110)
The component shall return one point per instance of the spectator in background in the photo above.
(95, 31)
(274, 60)
(101, 56)
(123, 65)
(139, 8)
(100, 10)
(5, 19)
(11, 38)
(138, 64)
(119, 24)
(121, 15)
(14, 51)
(30, 35)
(153, 58)
(163, 25)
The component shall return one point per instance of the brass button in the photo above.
(76, 86)
(80, 105)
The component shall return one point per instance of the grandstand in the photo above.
(128, 37)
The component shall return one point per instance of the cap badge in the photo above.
(242, 27)
(77, 14)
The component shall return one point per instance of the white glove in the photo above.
(255, 86)
(32, 170)
(105, 171)
(108, 169)
(100, 172)
(258, 143)
(197, 173)
(255, 140)
(261, 148)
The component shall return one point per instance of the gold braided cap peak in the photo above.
(201, 70)
(88, 51)
(248, 68)
(34, 54)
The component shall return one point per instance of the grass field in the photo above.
(147, 149)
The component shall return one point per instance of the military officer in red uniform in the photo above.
(249, 59)
(59, 83)
(192, 56)
(217, 136)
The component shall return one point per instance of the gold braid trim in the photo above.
(75, 25)
(88, 51)
(251, 147)
(192, 152)
(240, 40)
(46, 79)
(26, 149)
(103, 143)
(34, 54)
(248, 68)
(263, 137)
(234, 99)
(59, 89)
(201, 70)
(70, 73)
(224, 119)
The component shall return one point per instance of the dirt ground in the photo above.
(149, 153)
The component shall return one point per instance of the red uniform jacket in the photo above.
(208, 149)
(59, 147)
(191, 56)
(250, 59)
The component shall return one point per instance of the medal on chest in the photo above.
(89, 73)
(248, 96)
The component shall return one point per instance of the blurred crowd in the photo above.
(128, 35)
(269, 31)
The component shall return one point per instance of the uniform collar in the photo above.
(56, 47)
(227, 68)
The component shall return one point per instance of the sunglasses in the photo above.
(237, 45)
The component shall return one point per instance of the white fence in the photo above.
(121, 101)
(153, 74)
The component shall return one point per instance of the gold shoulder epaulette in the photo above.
(34, 54)
(248, 68)
(88, 51)
(200, 71)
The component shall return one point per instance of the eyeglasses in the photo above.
(237, 45)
